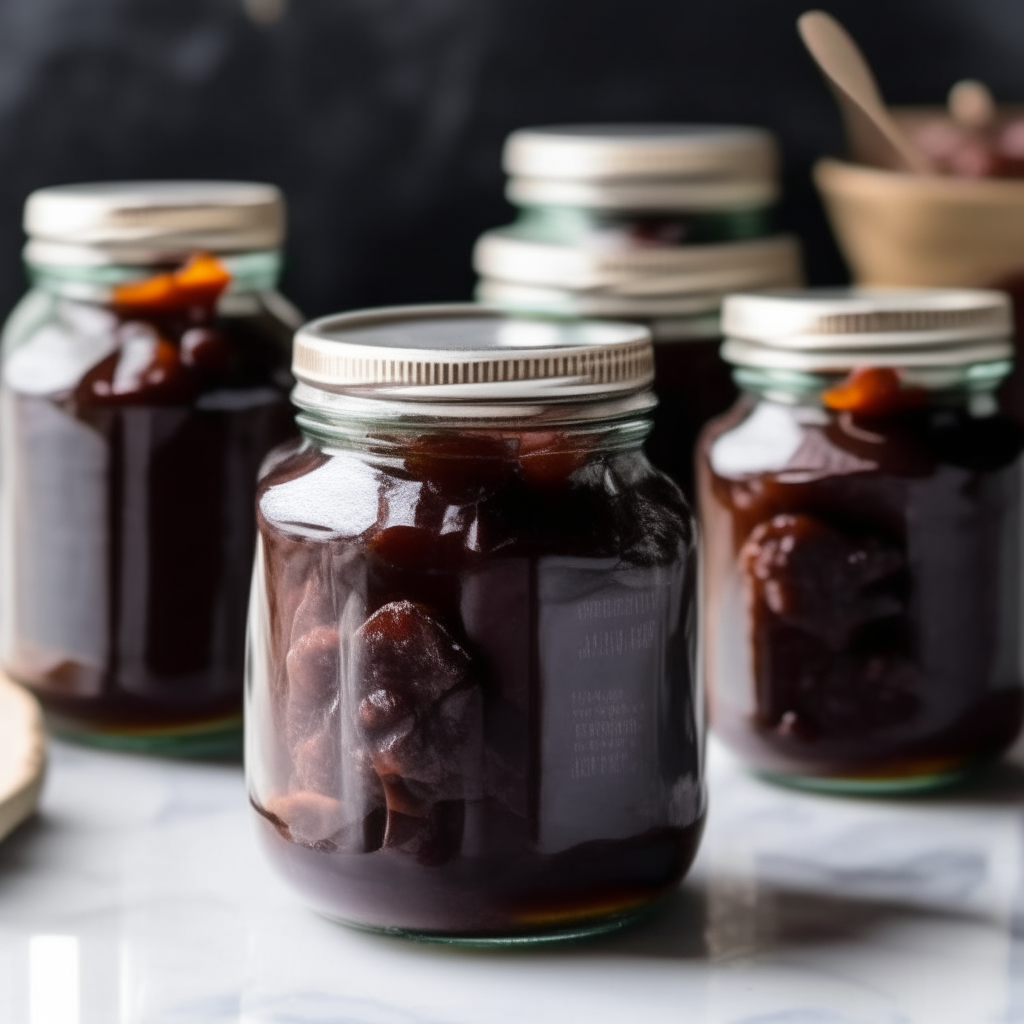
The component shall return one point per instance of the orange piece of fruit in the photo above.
(873, 391)
(199, 282)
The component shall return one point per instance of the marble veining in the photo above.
(138, 896)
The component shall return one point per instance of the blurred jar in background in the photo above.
(650, 223)
(861, 514)
(144, 377)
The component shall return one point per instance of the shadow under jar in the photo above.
(471, 706)
(145, 376)
(861, 513)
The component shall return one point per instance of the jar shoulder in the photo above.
(96, 355)
(771, 439)
(612, 506)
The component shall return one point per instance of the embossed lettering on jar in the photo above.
(861, 505)
(471, 707)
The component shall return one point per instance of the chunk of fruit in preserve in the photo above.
(873, 391)
(199, 282)
(416, 712)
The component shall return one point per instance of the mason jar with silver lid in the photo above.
(652, 223)
(144, 377)
(472, 712)
(861, 529)
(642, 185)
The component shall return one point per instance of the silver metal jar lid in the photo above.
(466, 353)
(601, 152)
(669, 270)
(139, 222)
(655, 195)
(829, 330)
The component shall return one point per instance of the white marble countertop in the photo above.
(138, 896)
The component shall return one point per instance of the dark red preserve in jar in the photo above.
(693, 386)
(144, 378)
(861, 513)
(471, 702)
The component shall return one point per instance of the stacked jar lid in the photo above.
(647, 222)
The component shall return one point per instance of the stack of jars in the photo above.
(650, 223)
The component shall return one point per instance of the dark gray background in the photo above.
(383, 119)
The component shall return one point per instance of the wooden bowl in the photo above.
(22, 755)
(907, 229)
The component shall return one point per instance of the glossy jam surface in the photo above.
(693, 386)
(471, 707)
(862, 586)
(132, 436)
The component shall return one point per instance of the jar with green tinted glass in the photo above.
(144, 377)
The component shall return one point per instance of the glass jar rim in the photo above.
(794, 384)
(250, 272)
(328, 412)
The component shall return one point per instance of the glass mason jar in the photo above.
(861, 530)
(471, 707)
(144, 377)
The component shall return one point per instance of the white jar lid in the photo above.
(665, 270)
(142, 222)
(679, 194)
(834, 330)
(599, 152)
(469, 353)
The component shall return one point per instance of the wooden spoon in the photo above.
(22, 755)
(873, 134)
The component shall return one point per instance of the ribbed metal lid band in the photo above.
(621, 364)
(880, 317)
(891, 321)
